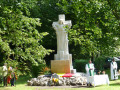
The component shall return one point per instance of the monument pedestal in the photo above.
(62, 56)
(60, 66)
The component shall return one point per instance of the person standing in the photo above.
(9, 74)
(89, 68)
(5, 74)
(90, 71)
(113, 69)
(12, 78)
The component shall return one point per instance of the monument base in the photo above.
(62, 56)
(60, 66)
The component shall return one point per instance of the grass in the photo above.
(21, 85)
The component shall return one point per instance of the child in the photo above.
(9, 75)
(12, 78)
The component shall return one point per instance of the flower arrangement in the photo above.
(99, 72)
(103, 72)
(55, 80)
(46, 70)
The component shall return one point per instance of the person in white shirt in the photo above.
(113, 69)
(89, 71)
(5, 71)
(89, 68)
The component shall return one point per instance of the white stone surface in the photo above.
(62, 39)
(73, 71)
(62, 81)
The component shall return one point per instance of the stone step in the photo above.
(73, 71)
(71, 67)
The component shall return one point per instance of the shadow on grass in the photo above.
(81, 86)
(90, 87)
(115, 84)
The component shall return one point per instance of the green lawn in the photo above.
(21, 85)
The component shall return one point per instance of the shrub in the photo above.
(37, 69)
(1, 70)
(79, 65)
(101, 63)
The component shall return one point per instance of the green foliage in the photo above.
(79, 65)
(48, 12)
(20, 41)
(100, 63)
(95, 30)
(95, 26)
(37, 69)
(0, 71)
(47, 72)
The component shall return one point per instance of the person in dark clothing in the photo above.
(12, 78)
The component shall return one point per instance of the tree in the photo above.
(20, 41)
(47, 11)
(95, 25)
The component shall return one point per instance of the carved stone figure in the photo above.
(62, 38)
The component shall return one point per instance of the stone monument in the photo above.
(62, 43)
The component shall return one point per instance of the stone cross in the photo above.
(62, 38)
